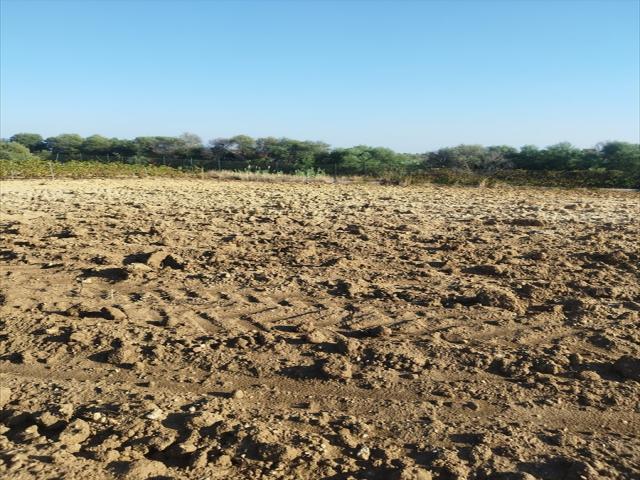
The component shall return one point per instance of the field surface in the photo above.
(195, 329)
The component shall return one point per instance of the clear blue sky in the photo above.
(412, 75)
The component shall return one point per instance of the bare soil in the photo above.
(196, 329)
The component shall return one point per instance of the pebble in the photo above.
(155, 414)
(237, 394)
(472, 405)
(364, 453)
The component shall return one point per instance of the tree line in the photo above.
(289, 155)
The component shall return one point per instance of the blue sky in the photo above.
(412, 75)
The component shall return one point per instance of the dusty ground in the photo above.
(205, 330)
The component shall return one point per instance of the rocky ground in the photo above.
(198, 329)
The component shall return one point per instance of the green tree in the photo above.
(219, 151)
(498, 157)
(369, 160)
(287, 155)
(239, 148)
(168, 147)
(96, 145)
(33, 141)
(243, 147)
(621, 156)
(190, 146)
(14, 151)
(591, 158)
(144, 145)
(528, 158)
(561, 156)
(67, 144)
(158, 147)
(122, 149)
(465, 157)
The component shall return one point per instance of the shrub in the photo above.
(14, 151)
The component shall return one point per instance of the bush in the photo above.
(14, 152)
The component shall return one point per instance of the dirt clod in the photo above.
(75, 432)
(628, 367)
(144, 469)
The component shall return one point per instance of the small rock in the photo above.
(31, 431)
(155, 414)
(238, 394)
(187, 447)
(472, 405)
(363, 453)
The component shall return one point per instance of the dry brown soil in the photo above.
(199, 329)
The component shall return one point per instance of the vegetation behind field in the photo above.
(609, 164)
